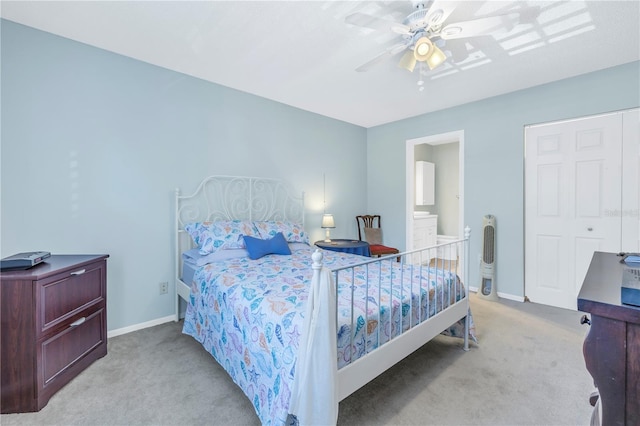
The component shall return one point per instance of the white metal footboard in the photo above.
(451, 306)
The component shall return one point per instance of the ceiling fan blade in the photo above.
(482, 26)
(387, 54)
(368, 21)
(439, 11)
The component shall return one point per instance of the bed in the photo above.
(297, 328)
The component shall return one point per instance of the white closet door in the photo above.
(573, 189)
(631, 181)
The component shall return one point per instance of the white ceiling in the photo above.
(302, 53)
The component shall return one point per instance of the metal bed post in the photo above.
(467, 233)
(176, 258)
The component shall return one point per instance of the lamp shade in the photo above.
(327, 221)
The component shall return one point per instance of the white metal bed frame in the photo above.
(233, 197)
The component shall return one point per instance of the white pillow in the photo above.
(193, 256)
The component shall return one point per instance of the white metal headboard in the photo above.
(234, 197)
(228, 198)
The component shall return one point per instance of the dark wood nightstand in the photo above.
(54, 325)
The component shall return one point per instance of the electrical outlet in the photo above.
(164, 288)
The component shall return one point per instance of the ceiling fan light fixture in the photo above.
(408, 61)
(436, 58)
(423, 49)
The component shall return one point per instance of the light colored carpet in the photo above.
(526, 370)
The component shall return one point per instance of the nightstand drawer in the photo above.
(66, 294)
(63, 350)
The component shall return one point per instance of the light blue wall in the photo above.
(94, 143)
(494, 157)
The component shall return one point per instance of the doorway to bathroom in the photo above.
(446, 153)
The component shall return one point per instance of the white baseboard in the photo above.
(511, 297)
(502, 295)
(136, 327)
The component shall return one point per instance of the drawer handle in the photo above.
(78, 322)
(80, 272)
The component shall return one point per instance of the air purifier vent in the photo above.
(488, 245)
(487, 265)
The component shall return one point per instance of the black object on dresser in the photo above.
(23, 260)
(54, 325)
(612, 346)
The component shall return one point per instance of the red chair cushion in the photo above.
(380, 249)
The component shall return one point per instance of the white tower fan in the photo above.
(488, 262)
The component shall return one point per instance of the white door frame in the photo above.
(440, 139)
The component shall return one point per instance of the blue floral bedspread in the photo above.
(249, 313)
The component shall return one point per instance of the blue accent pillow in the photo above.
(258, 248)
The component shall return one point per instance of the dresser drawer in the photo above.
(54, 318)
(64, 295)
(66, 348)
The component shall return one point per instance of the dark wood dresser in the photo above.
(54, 325)
(612, 346)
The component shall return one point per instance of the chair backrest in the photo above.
(367, 221)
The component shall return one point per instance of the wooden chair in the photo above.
(371, 227)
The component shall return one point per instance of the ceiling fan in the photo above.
(424, 31)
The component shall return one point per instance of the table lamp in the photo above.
(327, 223)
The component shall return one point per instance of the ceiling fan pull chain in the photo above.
(420, 81)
